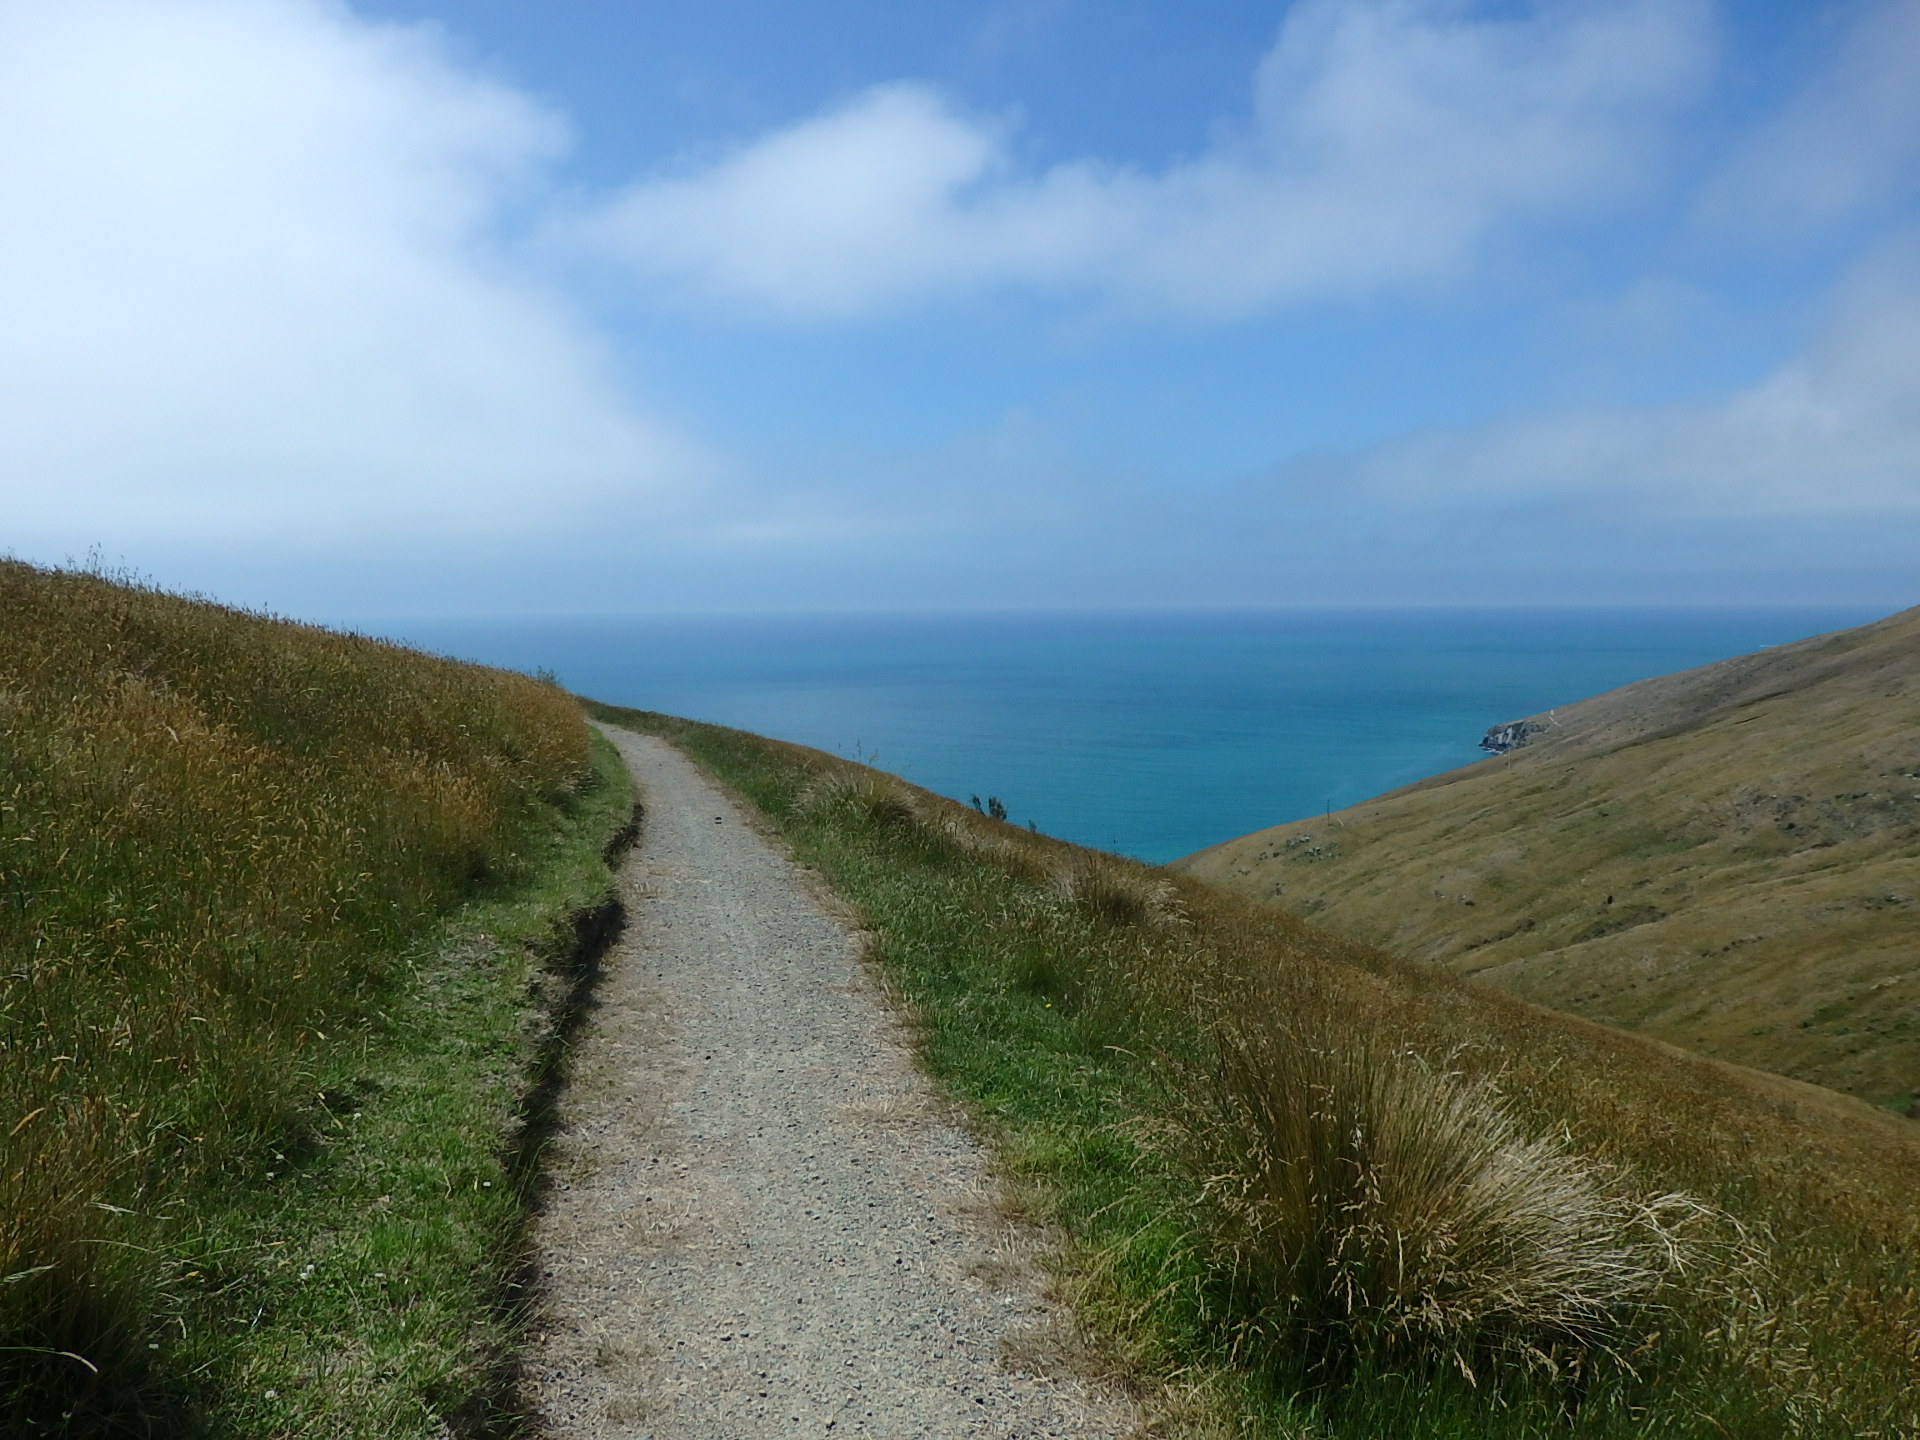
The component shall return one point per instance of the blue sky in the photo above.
(415, 306)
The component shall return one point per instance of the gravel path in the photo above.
(762, 1221)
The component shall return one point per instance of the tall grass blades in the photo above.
(1115, 892)
(1375, 1212)
(869, 794)
(217, 833)
(1364, 1211)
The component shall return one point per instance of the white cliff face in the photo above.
(1510, 736)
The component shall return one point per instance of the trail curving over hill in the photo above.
(762, 1222)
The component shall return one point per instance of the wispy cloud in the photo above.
(1834, 432)
(1390, 142)
(1804, 485)
(1840, 150)
(252, 285)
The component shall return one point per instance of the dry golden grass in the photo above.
(1400, 1167)
(1116, 892)
(1822, 1185)
(1811, 1297)
(1385, 1213)
(1727, 859)
(217, 832)
(879, 797)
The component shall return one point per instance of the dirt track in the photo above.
(763, 1223)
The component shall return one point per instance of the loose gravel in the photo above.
(762, 1220)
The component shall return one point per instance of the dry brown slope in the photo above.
(1727, 859)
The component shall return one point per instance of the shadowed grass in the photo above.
(1117, 894)
(868, 794)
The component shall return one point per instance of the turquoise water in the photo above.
(1153, 735)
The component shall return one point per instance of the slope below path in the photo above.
(762, 1222)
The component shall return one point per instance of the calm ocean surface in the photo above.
(1153, 735)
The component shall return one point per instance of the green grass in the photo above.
(369, 1287)
(1091, 1014)
(230, 851)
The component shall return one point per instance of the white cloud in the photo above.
(1846, 145)
(849, 210)
(1392, 142)
(1834, 433)
(249, 286)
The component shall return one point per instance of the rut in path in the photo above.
(762, 1222)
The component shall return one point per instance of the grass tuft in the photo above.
(877, 798)
(1112, 891)
(1371, 1212)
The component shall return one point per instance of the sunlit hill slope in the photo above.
(274, 903)
(1727, 859)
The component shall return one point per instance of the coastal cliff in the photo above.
(1510, 736)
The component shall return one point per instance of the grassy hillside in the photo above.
(1727, 859)
(1314, 1191)
(237, 1045)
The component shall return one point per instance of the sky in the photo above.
(387, 307)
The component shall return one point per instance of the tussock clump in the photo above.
(979, 836)
(1372, 1211)
(892, 805)
(1116, 893)
(880, 798)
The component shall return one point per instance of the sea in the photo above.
(1153, 735)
